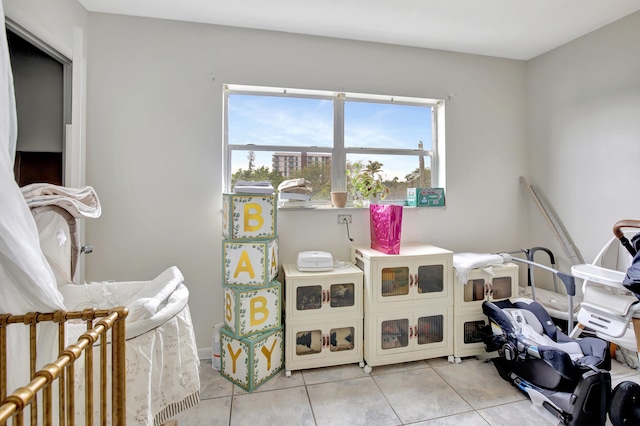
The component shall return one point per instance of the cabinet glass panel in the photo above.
(395, 281)
(501, 287)
(395, 333)
(342, 295)
(431, 279)
(471, 332)
(430, 329)
(308, 342)
(309, 297)
(474, 290)
(341, 339)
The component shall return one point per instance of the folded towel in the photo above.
(79, 202)
(463, 263)
(295, 186)
(154, 295)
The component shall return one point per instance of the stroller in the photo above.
(568, 377)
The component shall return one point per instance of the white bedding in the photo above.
(162, 358)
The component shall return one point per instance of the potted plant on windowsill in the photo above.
(365, 183)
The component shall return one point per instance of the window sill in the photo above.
(329, 207)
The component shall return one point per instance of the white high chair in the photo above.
(608, 308)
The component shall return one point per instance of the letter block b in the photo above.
(248, 216)
(251, 310)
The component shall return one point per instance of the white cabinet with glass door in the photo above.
(492, 284)
(394, 337)
(337, 293)
(322, 344)
(419, 273)
(323, 317)
(408, 303)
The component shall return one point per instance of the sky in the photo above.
(290, 121)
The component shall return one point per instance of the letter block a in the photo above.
(250, 263)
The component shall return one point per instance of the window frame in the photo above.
(338, 151)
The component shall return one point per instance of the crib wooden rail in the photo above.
(40, 389)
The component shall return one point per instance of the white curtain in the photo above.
(27, 283)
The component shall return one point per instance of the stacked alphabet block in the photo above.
(252, 339)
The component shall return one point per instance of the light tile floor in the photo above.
(426, 393)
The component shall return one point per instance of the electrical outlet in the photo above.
(344, 218)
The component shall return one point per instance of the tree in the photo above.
(373, 167)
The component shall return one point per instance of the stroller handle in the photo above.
(617, 231)
(626, 223)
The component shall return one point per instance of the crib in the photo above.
(159, 351)
(40, 391)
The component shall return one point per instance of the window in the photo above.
(277, 134)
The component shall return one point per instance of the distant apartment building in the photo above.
(287, 163)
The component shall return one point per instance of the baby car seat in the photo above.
(570, 378)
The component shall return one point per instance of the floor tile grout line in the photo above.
(454, 388)
(385, 395)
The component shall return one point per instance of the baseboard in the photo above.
(205, 353)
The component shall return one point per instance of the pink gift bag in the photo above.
(386, 225)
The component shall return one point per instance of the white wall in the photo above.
(584, 134)
(154, 121)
